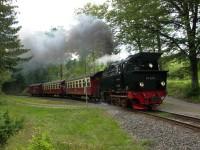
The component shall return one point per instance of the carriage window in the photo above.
(80, 85)
(74, 84)
(83, 82)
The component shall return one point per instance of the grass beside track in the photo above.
(181, 89)
(73, 126)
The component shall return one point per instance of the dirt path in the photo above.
(179, 106)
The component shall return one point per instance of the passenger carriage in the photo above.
(54, 88)
(88, 85)
(35, 89)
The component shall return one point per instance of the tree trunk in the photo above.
(159, 48)
(139, 45)
(194, 73)
(158, 43)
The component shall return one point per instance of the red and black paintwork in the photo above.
(146, 100)
(137, 81)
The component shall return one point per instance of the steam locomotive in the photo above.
(136, 81)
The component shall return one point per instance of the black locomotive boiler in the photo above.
(136, 81)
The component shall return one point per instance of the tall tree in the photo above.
(184, 18)
(125, 17)
(158, 25)
(10, 46)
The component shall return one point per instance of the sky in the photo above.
(41, 15)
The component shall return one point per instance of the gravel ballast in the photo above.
(160, 134)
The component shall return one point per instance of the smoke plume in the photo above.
(45, 48)
(88, 35)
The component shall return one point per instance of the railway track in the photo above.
(178, 119)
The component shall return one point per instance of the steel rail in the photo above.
(178, 119)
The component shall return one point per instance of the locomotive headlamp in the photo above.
(141, 84)
(150, 65)
(163, 83)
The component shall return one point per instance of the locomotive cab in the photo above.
(142, 61)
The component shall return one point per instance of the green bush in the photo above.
(8, 127)
(3, 101)
(41, 141)
(182, 89)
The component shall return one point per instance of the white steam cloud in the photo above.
(114, 57)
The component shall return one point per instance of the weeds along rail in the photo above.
(178, 119)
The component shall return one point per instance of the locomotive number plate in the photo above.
(150, 78)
